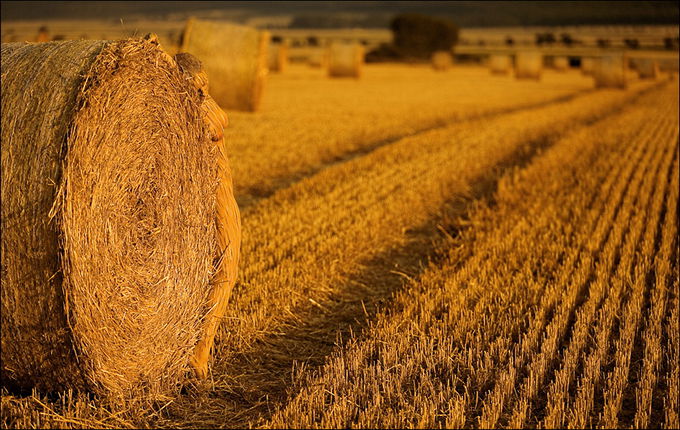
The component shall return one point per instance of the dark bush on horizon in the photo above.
(418, 36)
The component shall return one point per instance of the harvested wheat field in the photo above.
(427, 249)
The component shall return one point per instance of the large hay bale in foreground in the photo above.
(500, 64)
(587, 65)
(235, 58)
(609, 71)
(345, 60)
(561, 64)
(442, 60)
(108, 202)
(528, 65)
(277, 60)
(647, 68)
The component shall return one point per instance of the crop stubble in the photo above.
(514, 292)
(577, 229)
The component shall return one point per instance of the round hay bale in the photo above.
(500, 64)
(561, 64)
(442, 60)
(43, 35)
(278, 57)
(235, 59)
(318, 58)
(669, 64)
(227, 218)
(647, 68)
(587, 65)
(609, 71)
(528, 65)
(108, 203)
(345, 60)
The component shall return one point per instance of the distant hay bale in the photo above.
(609, 71)
(669, 64)
(345, 60)
(442, 60)
(318, 58)
(108, 203)
(500, 64)
(587, 65)
(235, 58)
(43, 35)
(169, 42)
(528, 65)
(647, 68)
(278, 57)
(561, 64)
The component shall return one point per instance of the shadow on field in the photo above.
(254, 383)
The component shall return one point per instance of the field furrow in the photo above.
(412, 361)
(427, 249)
(646, 389)
(637, 278)
(616, 292)
(310, 248)
(295, 135)
(596, 228)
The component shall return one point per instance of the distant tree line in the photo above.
(416, 37)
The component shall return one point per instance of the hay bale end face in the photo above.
(278, 57)
(609, 71)
(528, 65)
(318, 58)
(345, 60)
(108, 203)
(587, 65)
(561, 64)
(647, 68)
(500, 64)
(442, 60)
(235, 59)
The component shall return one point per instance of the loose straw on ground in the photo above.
(109, 179)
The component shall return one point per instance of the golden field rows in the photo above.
(307, 120)
(426, 250)
(525, 332)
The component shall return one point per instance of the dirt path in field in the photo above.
(263, 377)
(254, 194)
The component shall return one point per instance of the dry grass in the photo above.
(408, 256)
(552, 260)
(308, 121)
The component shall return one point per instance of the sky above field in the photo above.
(367, 14)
